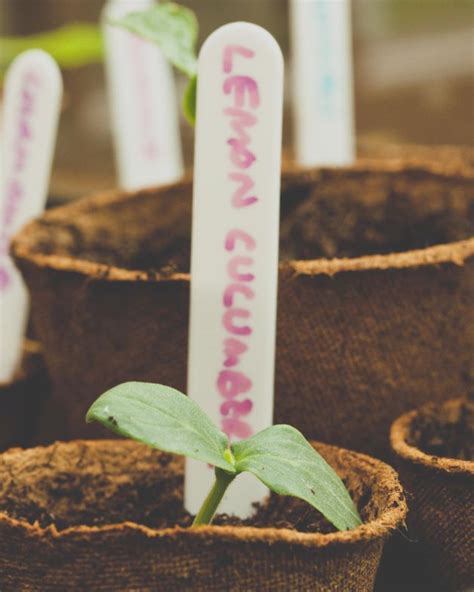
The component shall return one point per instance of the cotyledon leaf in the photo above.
(163, 418)
(286, 462)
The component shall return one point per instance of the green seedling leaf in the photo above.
(172, 27)
(284, 460)
(189, 101)
(279, 456)
(163, 418)
(72, 46)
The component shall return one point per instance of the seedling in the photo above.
(279, 456)
(174, 29)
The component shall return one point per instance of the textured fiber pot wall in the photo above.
(440, 495)
(22, 400)
(70, 482)
(376, 286)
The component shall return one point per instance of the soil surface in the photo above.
(68, 499)
(340, 215)
(445, 431)
(276, 512)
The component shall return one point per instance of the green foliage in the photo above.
(286, 462)
(279, 456)
(189, 101)
(170, 26)
(74, 45)
(163, 418)
(174, 29)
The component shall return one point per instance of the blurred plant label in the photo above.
(234, 265)
(32, 100)
(142, 102)
(323, 88)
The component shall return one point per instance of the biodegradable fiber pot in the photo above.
(376, 285)
(22, 399)
(440, 491)
(83, 515)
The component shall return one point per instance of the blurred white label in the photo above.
(32, 97)
(321, 43)
(143, 105)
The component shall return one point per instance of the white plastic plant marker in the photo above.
(32, 100)
(235, 231)
(321, 39)
(142, 101)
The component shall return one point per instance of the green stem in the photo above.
(214, 497)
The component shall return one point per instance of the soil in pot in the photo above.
(445, 431)
(433, 450)
(318, 221)
(140, 505)
(376, 284)
(62, 526)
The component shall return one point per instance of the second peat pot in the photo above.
(376, 284)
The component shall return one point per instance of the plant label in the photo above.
(234, 265)
(32, 100)
(143, 105)
(323, 88)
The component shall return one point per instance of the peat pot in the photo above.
(376, 284)
(101, 515)
(434, 449)
(22, 399)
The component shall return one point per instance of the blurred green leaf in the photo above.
(72, 46)
(189, 101)
(172, 27)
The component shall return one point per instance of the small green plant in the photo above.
(174, 29)
(279, 456)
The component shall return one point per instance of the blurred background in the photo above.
(413, 70)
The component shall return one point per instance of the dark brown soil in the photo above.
(277, 512)
(339, 216)
(334, 221)
(445, 431)
(71, 500)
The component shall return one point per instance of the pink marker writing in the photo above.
(22, 139)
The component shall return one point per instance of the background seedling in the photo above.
(175, 30)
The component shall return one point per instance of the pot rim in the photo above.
(393, 515)
(448, 253)
(398, 439)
